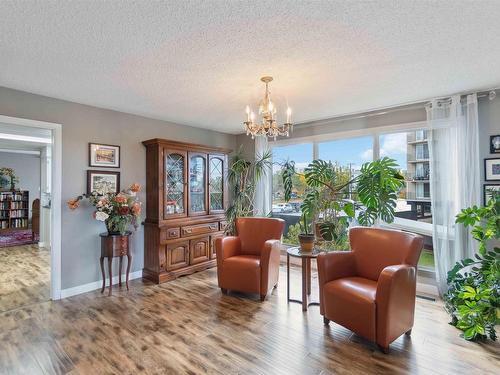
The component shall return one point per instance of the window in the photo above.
(411, 151)
(302, 155)
(421, 151)
(350, 153)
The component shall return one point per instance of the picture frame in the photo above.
(103, 181)
(492, 169)
(486, 195)
(495, 144)
(104, 156)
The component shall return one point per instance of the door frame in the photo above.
(55, 215)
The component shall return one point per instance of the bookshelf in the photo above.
(14, 210)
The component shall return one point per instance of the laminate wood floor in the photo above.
(24, 276)
(188, 327)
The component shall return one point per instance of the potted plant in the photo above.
(331, 194)
(306, 237)
(473, 296)
(119, 211)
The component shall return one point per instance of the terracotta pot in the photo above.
(306, 242)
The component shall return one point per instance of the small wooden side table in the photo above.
(306, 275)
(115, 245)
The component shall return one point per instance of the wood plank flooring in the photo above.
(188, 327)
(24, 276)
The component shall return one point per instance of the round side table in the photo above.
(115, 245)
(306, 275)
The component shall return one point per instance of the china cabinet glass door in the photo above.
(197, 184)
(175, 184)
(216, 183)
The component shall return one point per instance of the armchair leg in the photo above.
(326, 321)
(384, 349)
(408, 333)
(262, 297)
(224, 291)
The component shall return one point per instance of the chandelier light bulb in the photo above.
(288, 115)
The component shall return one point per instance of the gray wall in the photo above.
(27, 168)
(82, 124)
(489, 124)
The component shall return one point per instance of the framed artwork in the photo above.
(495, 144)
(492, 169)
(103, 182)
(487, 192)
(107, 156)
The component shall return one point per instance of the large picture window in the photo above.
(410, 150)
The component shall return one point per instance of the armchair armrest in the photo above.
(269, 264)
(395, 299)
(226, 247)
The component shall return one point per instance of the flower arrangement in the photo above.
(10, 175)
(118, 211)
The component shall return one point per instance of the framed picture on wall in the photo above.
(103, 182)
(492, 169)
(487, 189)
(495, 144)
(101, 155)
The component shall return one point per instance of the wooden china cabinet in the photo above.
(186, 199)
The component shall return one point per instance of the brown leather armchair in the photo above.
(371, 289)
(250, 262)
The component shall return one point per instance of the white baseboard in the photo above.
(44, 244)
(65, 293)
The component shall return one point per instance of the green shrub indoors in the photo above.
(473, 296)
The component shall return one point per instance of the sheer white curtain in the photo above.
(454, 168)
(262, 203)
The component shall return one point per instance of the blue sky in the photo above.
(355, 151)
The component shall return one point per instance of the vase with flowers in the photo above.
(119, 211)
(8, 178)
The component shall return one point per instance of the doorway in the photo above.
(30, 209)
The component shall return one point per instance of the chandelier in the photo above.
(268, 126)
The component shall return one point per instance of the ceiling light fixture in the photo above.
(268, 127)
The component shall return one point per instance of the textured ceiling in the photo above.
(199, 62)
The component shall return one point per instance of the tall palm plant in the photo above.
(243, 177)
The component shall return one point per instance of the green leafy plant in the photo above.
(331, 191)
(473, 296)
(243, 176)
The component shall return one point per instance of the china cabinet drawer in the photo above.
(193, 230)
(170, 234)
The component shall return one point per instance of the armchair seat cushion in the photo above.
(350, 302)
(242, 273)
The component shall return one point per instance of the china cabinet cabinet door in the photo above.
(199, 250)
(216, 193)
(197, 184)
(175, 184)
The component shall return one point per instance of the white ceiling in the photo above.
(199, 62)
